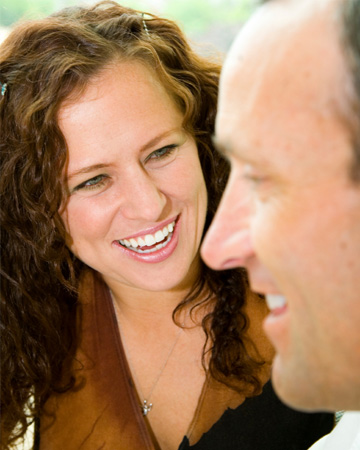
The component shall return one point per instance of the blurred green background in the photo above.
(213, 22)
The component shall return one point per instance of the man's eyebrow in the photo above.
(228, 152)
(221, 148)
(151, 143)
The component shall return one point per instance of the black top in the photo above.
(264, 423)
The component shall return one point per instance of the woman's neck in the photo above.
(144, 309)
(148, 311)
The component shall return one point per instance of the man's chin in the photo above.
(297, 392)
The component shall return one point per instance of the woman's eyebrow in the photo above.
(85, 170)
(152, 142)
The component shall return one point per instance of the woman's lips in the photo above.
(153, 247)
(150, 242)
(152, 230)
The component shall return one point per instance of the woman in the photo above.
(115, 334)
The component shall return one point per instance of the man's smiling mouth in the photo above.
(150, 242)
(275, 302)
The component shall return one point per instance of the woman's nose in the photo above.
(142, 198)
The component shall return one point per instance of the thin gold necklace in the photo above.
(146, 405)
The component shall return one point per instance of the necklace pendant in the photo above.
(146, 408)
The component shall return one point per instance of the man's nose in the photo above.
(228, 243)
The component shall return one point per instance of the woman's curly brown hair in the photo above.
(43, 62)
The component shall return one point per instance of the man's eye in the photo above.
(162, 153)
(254, 179)
(93, 183)
(251, 175)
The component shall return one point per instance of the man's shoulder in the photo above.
(345, 436)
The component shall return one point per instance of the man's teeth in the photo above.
(150, 240)
(275, 301)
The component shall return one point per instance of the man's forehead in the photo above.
(279, 54)
(271, 78)
(280, 22)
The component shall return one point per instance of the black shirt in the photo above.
(264, 423)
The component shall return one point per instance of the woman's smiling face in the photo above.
(137, 197)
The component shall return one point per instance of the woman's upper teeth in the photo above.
(149, 239)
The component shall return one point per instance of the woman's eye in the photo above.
(162, 152)
(93, 183)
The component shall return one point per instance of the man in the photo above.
(289, 122)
